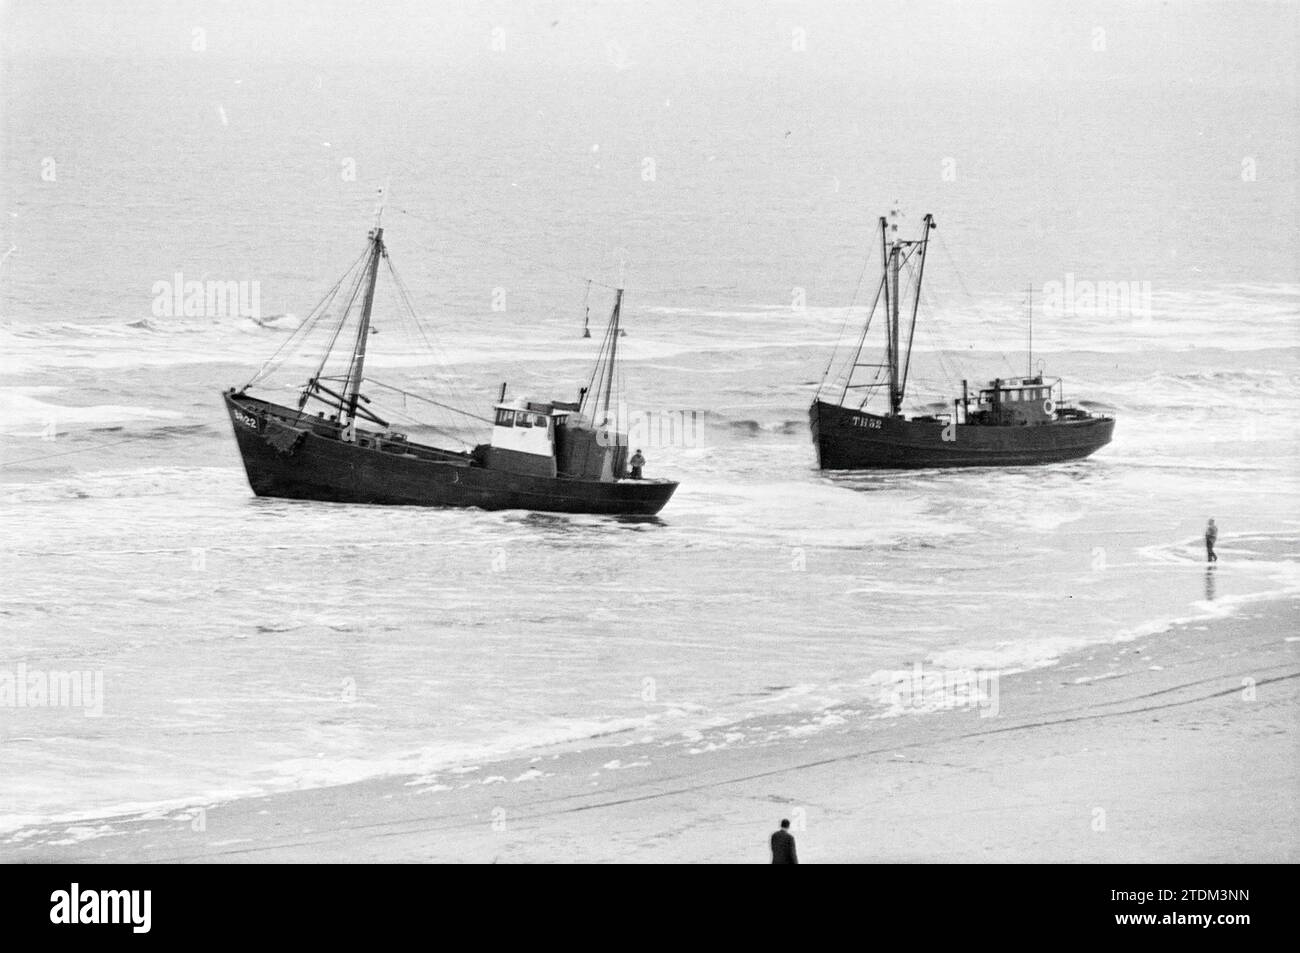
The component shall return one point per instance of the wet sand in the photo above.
(1175, 747)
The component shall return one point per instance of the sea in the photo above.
(1128, 169)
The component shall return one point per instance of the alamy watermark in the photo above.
(652, 428)
(127, 907)
(1073, 297)
(178, 298)
(923, 689)
(21, 687)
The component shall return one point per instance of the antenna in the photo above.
(381, 201)
(1031, 329)
(586, 309)
(622, 270)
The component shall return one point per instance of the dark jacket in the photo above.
(783, 848)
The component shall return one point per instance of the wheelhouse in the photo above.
(1013, 401)
(524, 436)
(527, 427)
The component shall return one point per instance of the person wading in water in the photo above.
(1211, 535)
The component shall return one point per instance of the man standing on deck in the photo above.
(783, 846)
(1211, 534)
(636, 463)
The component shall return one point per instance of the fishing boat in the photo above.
(1012, 421)
(336, 445)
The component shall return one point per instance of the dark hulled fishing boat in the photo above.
(555, 456)
(1016, 421)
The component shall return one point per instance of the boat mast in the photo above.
(613, 351)
(363, 332)
(916, 303)
(895, 392)
(886, 261)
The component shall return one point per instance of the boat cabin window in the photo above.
(520, 418)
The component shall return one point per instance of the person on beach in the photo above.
(1211, 534)
(783, 845)
(637, 462)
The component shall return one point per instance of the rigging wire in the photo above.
(364, 325)
(952, 262)
(862, 340)
(64, 453)
(413, 421)
(915, 264)
(300, 333)
(955, 371)
(407, 304)
(351, 284)
(605, 353)
(845, 323)
(343, 319)
(427, 400)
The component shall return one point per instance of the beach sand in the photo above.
(1174, 747)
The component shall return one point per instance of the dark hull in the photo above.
(856, 440)
(314, 467)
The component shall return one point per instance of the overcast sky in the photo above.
(1222, 43)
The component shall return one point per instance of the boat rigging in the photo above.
(1011, 421)
(556, 455)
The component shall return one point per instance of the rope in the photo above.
(51, 456)
(862, 339)
(844, 324)
(593, 391)
(404, 298)
(343, 319)
(428, 400)
(300, 333)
